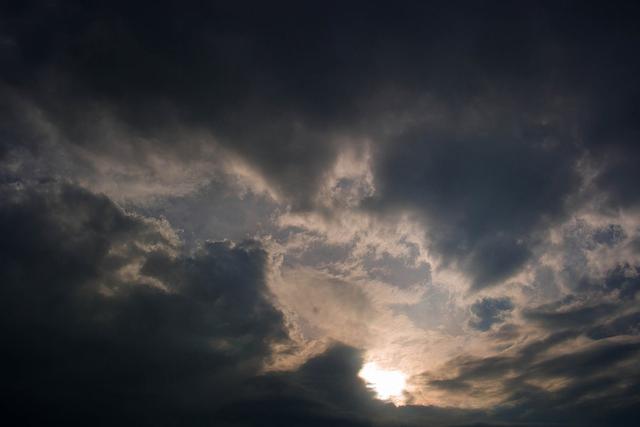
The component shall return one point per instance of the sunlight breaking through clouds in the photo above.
(388, 385)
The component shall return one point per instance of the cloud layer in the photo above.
(215, 213)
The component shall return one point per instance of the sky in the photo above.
(320, 213)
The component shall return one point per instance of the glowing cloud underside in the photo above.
(388, 385)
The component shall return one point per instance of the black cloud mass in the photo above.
(216, 213)
(83, 344)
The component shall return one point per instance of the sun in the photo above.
(388, 385)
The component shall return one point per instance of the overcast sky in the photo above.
(217, 213)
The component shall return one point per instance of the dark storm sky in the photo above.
(214, 213)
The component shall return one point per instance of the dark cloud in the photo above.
(276, 83)
(489, 311)
(555, 317)
(623, 278)
(104, 320)
(624, 325)
(479, 124)
(588, 388)
(84, 343)
(610, 235)
(324, 390)
(635, 244)
(487, 122)
(600, 307)
(483, 191)
(587, 356)
(227, 69)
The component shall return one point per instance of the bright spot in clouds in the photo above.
(388, 385)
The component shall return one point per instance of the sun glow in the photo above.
(388, 385)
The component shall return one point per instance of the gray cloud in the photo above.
(230, 69)
(489, 311)
(83, 342)
(505, 134)
(105, 319)
(587, 390)
(483, 190)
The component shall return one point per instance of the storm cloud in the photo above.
(216, 213)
